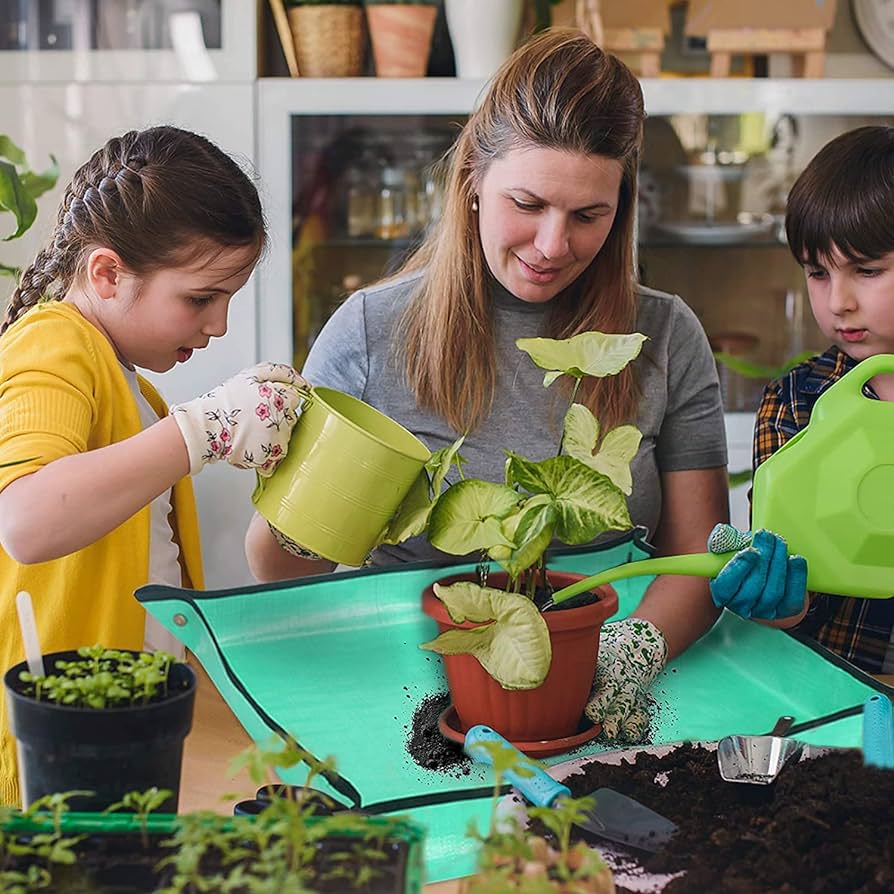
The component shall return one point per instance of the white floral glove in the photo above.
(631, 654)
(290, 546)
(246, 421)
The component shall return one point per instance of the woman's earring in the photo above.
(475, 205)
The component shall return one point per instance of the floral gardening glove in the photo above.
(631, 654)
(290, 546)
(762, 580)
(246, 421)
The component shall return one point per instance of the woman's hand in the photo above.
(631, 653)
(762, 581)
(246, 421)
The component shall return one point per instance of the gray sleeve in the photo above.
(339, 356)
(692, 434)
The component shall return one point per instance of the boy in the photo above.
(840, 228)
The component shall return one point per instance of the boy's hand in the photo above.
(631, 653)
(246, 421)
(761, 581)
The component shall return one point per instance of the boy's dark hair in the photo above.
(844, 199)
(156, 197)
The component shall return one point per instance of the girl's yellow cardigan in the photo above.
(62, 391)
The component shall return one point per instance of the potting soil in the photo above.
(826, 826)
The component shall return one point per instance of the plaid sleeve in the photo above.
(777, 420)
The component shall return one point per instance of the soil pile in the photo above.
(826, 826)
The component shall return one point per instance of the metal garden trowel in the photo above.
(757, 759)
(827, 491)
(614, 816)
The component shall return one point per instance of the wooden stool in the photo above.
(806, 45)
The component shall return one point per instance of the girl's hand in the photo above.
(762, 581)
(247, 421)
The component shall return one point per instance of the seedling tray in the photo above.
(116, 855)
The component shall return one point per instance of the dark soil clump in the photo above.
(427, 746)
(826, 826)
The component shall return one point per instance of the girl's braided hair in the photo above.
(157, 197)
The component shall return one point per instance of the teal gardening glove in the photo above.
(631, 654)
(762, 580)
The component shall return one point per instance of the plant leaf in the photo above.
(615, 454)
(586, 354)
(467, 517)
(11, 152)
(15, 198)
(588, 503)
(533, 533)
(412, 515)
(581, 432)
(438, 465)
(515, 649)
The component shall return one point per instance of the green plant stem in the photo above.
(577, 383)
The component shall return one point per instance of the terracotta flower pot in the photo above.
(554, 709)
(401, 38)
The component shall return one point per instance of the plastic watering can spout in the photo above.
(827, 491)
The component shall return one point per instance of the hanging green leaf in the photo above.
(515, 649)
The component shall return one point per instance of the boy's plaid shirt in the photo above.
(857, 629)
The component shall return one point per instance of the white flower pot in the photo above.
(483, 34)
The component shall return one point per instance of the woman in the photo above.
(537, 239)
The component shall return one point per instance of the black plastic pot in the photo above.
(108, 752)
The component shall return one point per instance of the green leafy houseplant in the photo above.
(287, 847)
(512, 859)
(20, 187)
(104, 720)
(573, 496)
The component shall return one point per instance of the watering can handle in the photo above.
(852, 384)
(696, 564)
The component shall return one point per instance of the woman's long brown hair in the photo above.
(557, 91)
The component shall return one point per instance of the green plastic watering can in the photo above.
(347, 469)
(829, 492)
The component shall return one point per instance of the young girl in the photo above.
(155, 234)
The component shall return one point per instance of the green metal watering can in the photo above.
(829, 492)
(347, 469)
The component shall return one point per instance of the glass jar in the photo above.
(392, 205)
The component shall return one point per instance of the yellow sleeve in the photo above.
(47, 393)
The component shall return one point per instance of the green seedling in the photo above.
(512, 859)
(103, 678)
(573, 497)
(143, 804)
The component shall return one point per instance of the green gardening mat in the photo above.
(334, 661)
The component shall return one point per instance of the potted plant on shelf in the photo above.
(288, 846)
(329, 37)
(400, 32)
(525, 672)
(102, 721)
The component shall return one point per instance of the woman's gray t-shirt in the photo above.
(680, 414)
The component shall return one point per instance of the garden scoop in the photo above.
(613, 816)
(827, 491)
(757, 759)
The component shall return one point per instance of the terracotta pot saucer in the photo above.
(449, 727)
